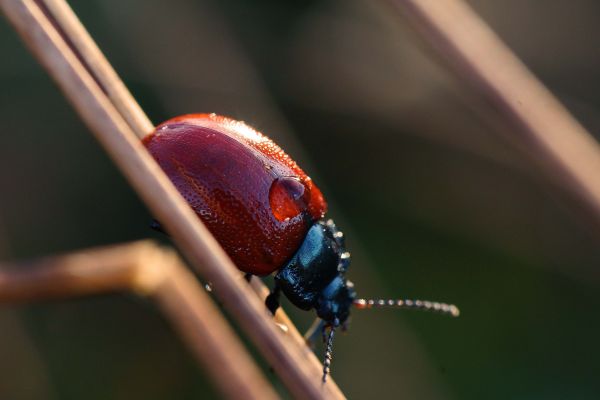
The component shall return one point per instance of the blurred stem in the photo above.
(149, 270)
(82, 44)
(539, 124)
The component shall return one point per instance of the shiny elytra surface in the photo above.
(252, 196)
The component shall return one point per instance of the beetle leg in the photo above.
(272, 300)
(157, 227)
(324, 333)
(315, 329)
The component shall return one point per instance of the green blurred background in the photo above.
(433, 202)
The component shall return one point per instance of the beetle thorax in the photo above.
(315, 276)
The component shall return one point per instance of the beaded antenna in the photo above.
(320, 326)
(425, 305)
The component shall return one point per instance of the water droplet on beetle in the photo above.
(288, 197)
(284, 328)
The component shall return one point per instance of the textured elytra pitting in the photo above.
(225, 170)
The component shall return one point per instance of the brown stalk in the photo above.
(293, 361)
(538, 122)
(91, 56)
(149, 270)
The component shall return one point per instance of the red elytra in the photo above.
(252, 196)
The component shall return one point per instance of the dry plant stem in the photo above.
(299, 370)
(545, 128)
(77, 274)
(66, 20)
(146, 269)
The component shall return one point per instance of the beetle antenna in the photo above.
(442, 308)
(328, 353)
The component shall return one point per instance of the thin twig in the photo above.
(149, 270)
(84, 46)
(297, 366)
(539, 123)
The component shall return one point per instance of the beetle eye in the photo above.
(288, 197)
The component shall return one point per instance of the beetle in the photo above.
(268, 216)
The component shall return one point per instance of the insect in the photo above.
(268, 216)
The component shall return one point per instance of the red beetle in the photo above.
(251, 195)
(267, 214)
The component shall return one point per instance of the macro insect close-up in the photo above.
(453, 142)
(268, 216)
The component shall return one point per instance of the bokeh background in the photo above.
(433, 202)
